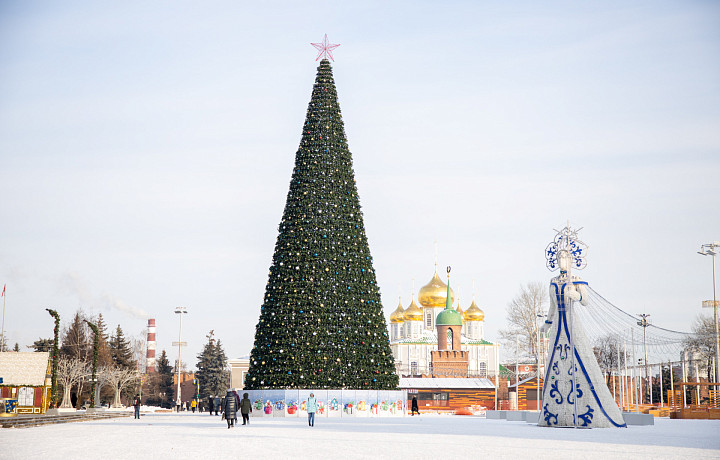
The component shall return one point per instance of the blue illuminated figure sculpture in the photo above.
(574, 390)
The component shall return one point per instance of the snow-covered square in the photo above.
(186, 436)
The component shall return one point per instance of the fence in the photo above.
(330, 403)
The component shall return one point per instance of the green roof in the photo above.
(478, 342)
(449, 317)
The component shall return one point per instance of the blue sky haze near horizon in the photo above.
(147, 150)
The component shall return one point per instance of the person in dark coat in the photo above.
(211, 405)
(218, 404)
(230, 408)
(136, 404)
(414, 407)
(237, 404)
(245, 409)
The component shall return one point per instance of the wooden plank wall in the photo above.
(522, 394)
(457, 399)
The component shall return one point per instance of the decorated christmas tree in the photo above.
(321, 323)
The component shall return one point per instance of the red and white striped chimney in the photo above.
(150, 364)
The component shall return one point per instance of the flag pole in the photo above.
(2, 337)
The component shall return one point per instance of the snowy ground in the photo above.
(201, 436)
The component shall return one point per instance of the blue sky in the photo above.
(146, 151)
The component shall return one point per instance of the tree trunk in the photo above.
(116, 402)
(80, 400)
(66, 398)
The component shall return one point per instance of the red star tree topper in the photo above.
(325, 49)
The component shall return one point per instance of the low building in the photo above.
(26, 376)
(238, 370)
(449, 394)
(188, 387)
(524, 394)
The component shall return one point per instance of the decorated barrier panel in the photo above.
(8, 407)
(330, 403)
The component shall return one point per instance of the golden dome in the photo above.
(459, 309)
(473, 313)
(398, 315)
(434, 294)
(413, 313)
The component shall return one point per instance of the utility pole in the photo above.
(645, 323)
(635, 389)
(684, 378)
(540, 354)
(620, 378)
(497, 376)
(710, 249)
(517, 362)
(628, 396)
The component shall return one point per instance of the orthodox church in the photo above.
(414, 334)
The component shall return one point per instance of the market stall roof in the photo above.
(521, 382)
(24, 368)
(450, 383)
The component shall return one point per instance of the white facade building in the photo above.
(413, 333)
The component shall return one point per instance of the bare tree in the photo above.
(119, 379)
(522, 318)
(607, 352)
(702, 342)
(139, 351)
(103, 379)
(71, 371)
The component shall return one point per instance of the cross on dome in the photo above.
(325, 49)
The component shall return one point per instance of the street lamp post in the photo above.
(710, 249)
(180, 311)
(645, 323)
(540, 357)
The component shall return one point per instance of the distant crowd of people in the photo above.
(228, 407)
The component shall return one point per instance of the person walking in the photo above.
(237, 404)
(245, 409)
(211, 405)
(218, 404)
(193, 405)
(136, 404)
(414, 407)
(311, 409)
(230, 408)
